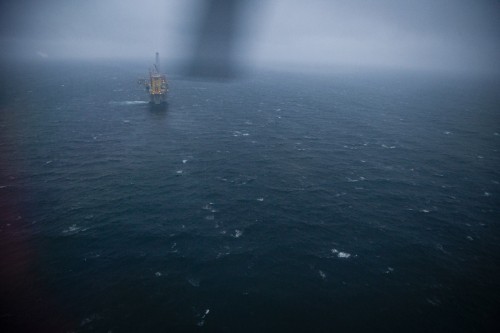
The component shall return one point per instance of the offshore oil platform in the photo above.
(157, 85)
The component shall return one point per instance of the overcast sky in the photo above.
(457, 35)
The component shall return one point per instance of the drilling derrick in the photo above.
(157, 85)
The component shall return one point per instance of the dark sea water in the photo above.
(275, 203)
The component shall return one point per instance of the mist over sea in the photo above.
(364, 202)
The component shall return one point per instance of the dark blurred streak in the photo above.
(214, 51)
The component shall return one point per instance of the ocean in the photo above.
(276, 202)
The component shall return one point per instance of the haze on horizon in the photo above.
(432, 35)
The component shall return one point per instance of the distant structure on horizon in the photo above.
(157, 85)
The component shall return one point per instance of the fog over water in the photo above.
(449, 35)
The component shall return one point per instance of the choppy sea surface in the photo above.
(273, 203)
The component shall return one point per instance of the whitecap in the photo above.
(239, 133)
(184, 161)
(179, 172)
(73, 229)
(157, 274)
(202, 321)
(487, 194)
(322, 274)
(447, 132)
(341, 254)
(389, 270)
(209, 217)
(222, 254)
(424, 210)
(260, 199)
(237, 233)
(350, 180)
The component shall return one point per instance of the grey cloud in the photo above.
(454, 35)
